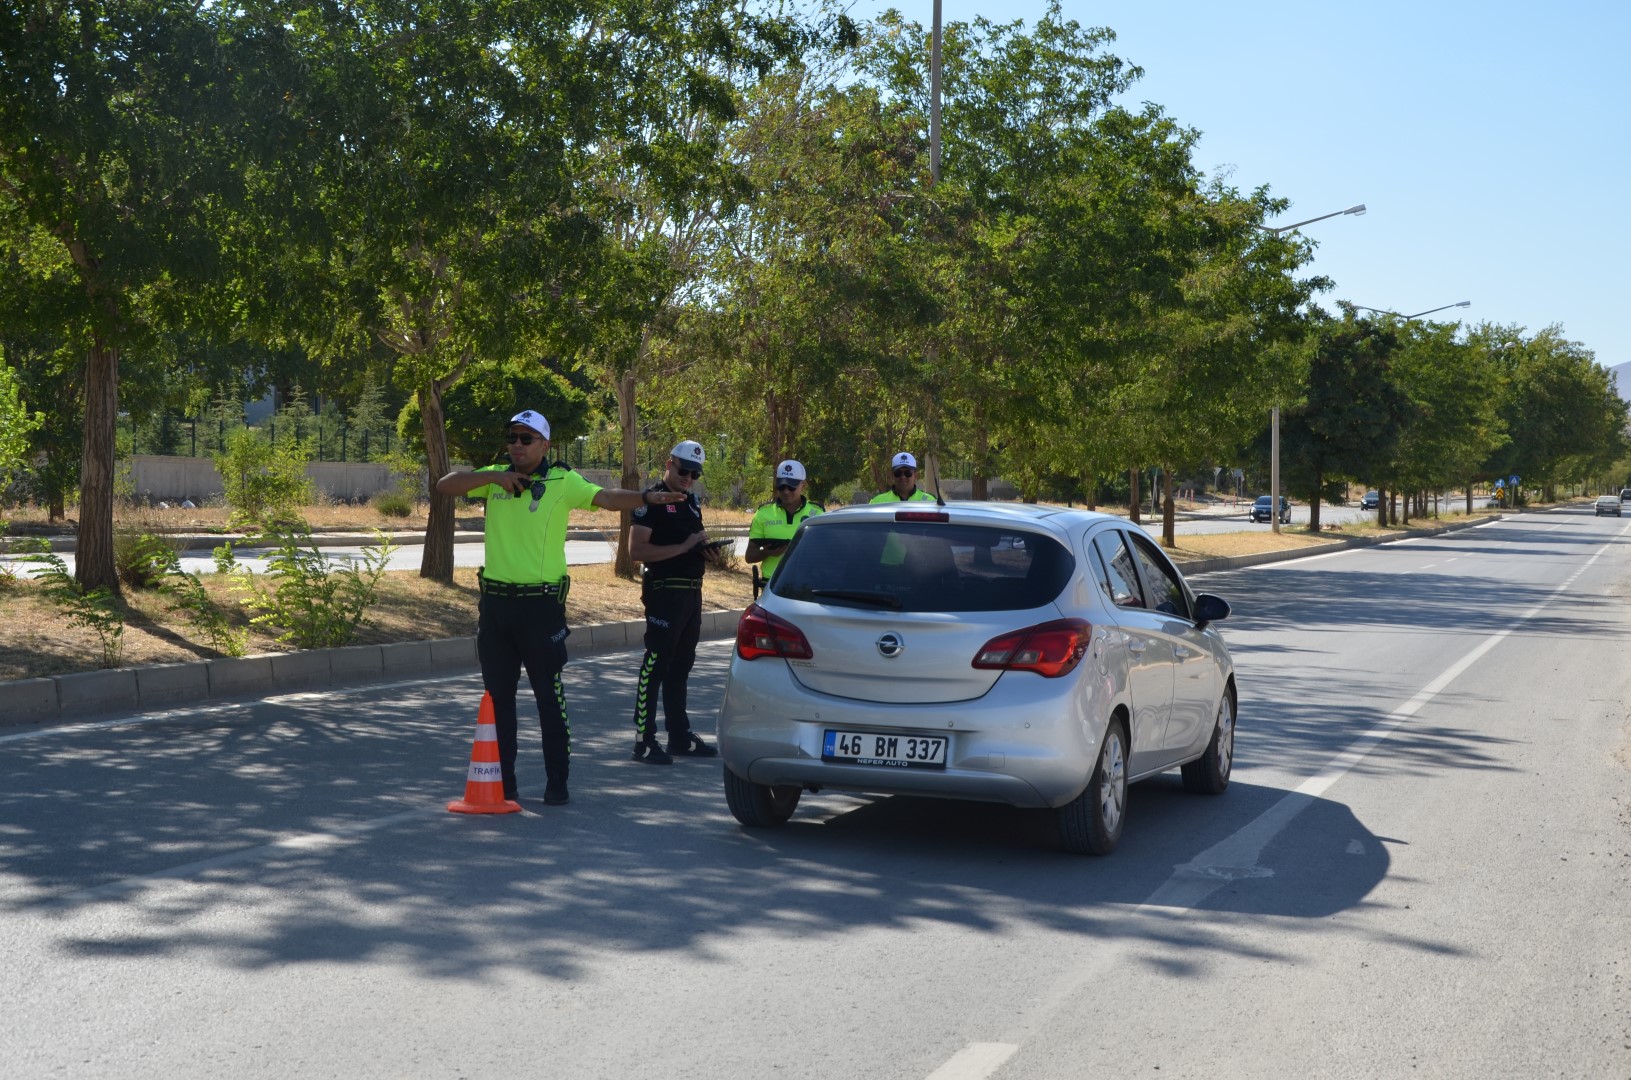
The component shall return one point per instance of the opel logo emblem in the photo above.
(891, 645)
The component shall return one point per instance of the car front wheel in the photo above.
(759, 806)
(1209, 773)
(1090, 824)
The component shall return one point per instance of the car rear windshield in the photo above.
(924, 566)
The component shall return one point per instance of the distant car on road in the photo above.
(1370, 500)
(981, 651)
(1261, 511)
(1625, 494)
(1608, 504)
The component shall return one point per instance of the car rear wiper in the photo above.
(879, 599)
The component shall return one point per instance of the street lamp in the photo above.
(1274, 414)
(1276, 230)
(1417, 315)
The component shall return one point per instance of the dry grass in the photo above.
(35, 639)
(1215, 545)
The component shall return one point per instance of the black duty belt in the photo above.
(504, 588)
(673, 583)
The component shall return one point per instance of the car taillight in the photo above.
(922, 515)
(759, 633)
(1050, 649)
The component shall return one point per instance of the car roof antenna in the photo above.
(938, 501)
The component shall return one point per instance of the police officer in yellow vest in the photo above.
(524, 585)
(774, 523)
(905, 488)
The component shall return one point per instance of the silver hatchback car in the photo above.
(1007, 653)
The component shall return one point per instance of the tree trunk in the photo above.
(437, 561)
(1469, 496)
(1314, 503)
(1404, 504)
(628, 417)
(93, 553)
(55, 510)
(1169, 512)
(1091, 487)
(1381, 506)
(1133, 496)
(978, 490)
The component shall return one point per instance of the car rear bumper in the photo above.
(1029, 742)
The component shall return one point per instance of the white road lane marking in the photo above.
(976, 1061)
(1236, 856)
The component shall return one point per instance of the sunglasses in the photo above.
(787, 487)
(690, 474)
(904, 472)
(525, 440)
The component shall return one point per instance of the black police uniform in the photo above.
(672, 592)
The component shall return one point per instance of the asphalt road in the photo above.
(1422, 867)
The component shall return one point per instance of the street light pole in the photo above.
(1274, 413)
(1417, 315)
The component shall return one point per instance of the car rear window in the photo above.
(924, 566)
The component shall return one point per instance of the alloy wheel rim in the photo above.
(1113, 788)
(1226, 737)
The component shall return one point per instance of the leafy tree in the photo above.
(122, 138)
(17, 423)
(1350, 423)
(477, 408)
(1455, 388)
(1565, 419)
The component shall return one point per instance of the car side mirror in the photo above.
(1209, 609)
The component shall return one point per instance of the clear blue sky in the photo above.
(1491, 142)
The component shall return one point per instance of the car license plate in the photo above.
(891, 751)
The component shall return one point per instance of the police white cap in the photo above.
(534, 420)
(689, 451)
(790, 470)
(903, 460)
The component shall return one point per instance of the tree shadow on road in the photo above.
(644, 859)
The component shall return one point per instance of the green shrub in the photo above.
(140, 558)
(393, 504)
(265, 485)
(192, 602)
(313, 602)
(96, 609)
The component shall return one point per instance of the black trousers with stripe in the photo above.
(531, 632)
(673, 627)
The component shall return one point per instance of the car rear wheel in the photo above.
(1090, 824)
(1209, 773)
(759, 806)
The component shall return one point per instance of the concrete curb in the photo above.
(63, 698)
(72, 697)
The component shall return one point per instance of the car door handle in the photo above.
(1137, 647)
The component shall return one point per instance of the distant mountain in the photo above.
(1623, 373)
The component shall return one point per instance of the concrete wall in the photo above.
(172, 479)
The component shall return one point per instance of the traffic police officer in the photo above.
(670, 540)
(775, 522)
(524, 586)
(905, 489)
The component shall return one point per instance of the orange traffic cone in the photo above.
(484, 784)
